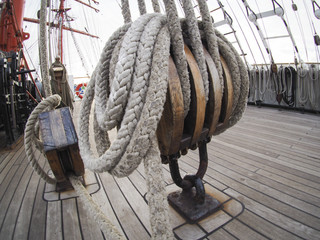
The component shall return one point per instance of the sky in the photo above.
(109, 18)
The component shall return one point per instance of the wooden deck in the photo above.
(265, 170)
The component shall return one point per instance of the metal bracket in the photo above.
(192, 202)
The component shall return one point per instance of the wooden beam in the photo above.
(32, 20)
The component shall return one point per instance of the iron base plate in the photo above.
(185, 204)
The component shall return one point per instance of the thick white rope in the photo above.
(210, 37)
(129, 86)
(43, 54)
(135, 101)
(129, 91)
(195, 40)
(178, 51)
(142, 7)
(141, 111)
(126, 11)
(156, 6)
(109, 230)
(242, 83)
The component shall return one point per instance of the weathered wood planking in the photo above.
(70, 219)
(12, 204)
(37, 230)
(269, 162)
(22, 226)
(123, 211)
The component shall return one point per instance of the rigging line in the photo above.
(119, 4)
(288, 30)
(229, 21)
(254, 35)
(311, 22)
(308, 15)
(78, 49)
(69, 53)
(317, 54)
(87, 28)
(161, 6)
(30, 59)
(315, 12)
(85, 17)
(49, 32)
(286, 14)
(253, 18)
(195, 5)
(95, 27)
(297, 16)
(264, 27)
(31, 46)
(254, 59)
(181, 8)
(96, 43)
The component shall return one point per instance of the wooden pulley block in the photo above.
(227, 98)
(176, 133)
(194, 121)
(60, 145)
(170, 128)
(214, 103)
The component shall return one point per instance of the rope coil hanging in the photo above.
(129, 87)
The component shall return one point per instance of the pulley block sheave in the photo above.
(176, 133)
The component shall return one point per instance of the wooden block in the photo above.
(170, 127)
(194, 121)
(213, 107)
(61, 143)
(227, 99)
(56, 167)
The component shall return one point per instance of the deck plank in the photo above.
(278, 218)
(266, 200)
(12, 159)
(221, 234)
(136, 201)
(266, 228)
(130, 224)
(271, 185)
(242, 231)
(25, 213)
(71, 225)
(103, 201)
(38, 221)
(278, 169)
(311, 174)
(269, 163)
(275, 147)
(54, 228)
(14, 202)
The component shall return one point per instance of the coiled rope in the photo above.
(128, 87)
(137, 95)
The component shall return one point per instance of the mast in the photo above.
(11, 31)
(60, 22)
